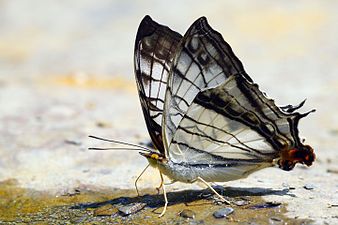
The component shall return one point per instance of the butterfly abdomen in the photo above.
(189, 173)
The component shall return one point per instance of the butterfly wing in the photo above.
(154, 47)
(233, 121)
(202, 60)
(215, 114)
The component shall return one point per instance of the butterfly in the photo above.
(207, 119)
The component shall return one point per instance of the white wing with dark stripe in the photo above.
(154, 50)
(202, 60)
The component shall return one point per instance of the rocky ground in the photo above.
(66, 72)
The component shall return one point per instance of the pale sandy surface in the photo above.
(66, 72)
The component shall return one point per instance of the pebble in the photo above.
(131, 208)
(221, 213)
(187, 213)
(275, 220)
(241, 202)
(309, 186)
(266, 205)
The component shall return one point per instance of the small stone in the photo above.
(309, 186)
(187, 213)
(221, 213)
(275, 220)
(241, 202)
(131, 208)
(266, 205)
(106, 210)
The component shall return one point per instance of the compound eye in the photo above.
(308, 156)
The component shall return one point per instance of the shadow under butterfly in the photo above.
(207, 119)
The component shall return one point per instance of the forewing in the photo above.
(154, 48)
(202, 60)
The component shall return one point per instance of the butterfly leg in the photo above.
(211, 188)
(165, 196)
(161, 184)
(139, 176)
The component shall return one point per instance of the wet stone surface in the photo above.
(106, 206)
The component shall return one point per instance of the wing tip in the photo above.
(147, 17)
(146, 27)
(199, 24)
(202, 19)
(201, 28)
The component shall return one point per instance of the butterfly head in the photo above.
(303, 154)
(154, 158)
